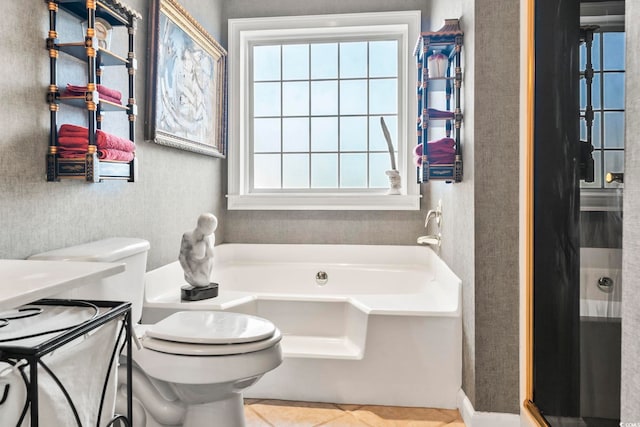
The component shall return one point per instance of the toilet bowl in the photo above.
(190, 368)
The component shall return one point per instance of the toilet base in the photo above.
(226, 412)
(198, 293)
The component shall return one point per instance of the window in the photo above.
(304, 130)
(608, 56)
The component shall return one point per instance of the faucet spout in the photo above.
(432, 240)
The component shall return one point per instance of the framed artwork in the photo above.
(187, 83)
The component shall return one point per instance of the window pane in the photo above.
(383, 96)
(379, 163)
(595, 92)
(353, 97)
(614, 90)
(614, 130)
(353, 170)
(324, 61)
(597, 130)
(324, 170)
(295, 134)
(266, 135)
(324, 98)
(353, 59)
(613, 50)
(595, 51)
(383, 59)
(295, 62)
(295, 98)
(376, 137)
(353, 134)
(324, 134)
(613, 162)
(266, 99)
(266, 63)
(266, 171)
(295, 171)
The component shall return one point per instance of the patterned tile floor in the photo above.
(284, 413)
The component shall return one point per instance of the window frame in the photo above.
(246, 32)
(609, 17)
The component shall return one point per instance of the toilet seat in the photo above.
(210, 333)
(182, 349)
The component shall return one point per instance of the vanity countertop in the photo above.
(25, 281)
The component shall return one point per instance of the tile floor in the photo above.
(284, 413)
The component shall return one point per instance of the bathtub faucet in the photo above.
(432, 239)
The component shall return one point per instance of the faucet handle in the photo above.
(435, 214)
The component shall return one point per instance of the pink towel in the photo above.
(439, 114)
(109, 141)
(440, 151)
(106, 92)
(73, 142)
(113, 154)
(73, 130)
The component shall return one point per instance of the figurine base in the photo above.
(194, 293)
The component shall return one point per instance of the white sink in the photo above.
(25, 281)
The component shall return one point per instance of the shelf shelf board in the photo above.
(79, 9)
(79, 51)
(443, 172)
(79, 102)
(76, 168)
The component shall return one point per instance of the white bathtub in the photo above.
(385, 328)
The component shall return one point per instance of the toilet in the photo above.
(190, 368)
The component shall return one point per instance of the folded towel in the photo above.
(440, 151)
(73, 130)
(439, 114)
(72, 154)
(75, 90)
(113, 154)
(73, 142)
(109, 141)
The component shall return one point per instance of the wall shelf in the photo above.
(92, 51)
(439, 159)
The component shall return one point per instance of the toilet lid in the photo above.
(211, 327)
(182, 349)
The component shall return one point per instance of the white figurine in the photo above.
(196, 251)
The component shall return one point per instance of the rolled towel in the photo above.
(106, 140)
(106, 92)
(113, 154)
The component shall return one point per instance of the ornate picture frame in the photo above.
(187, 83)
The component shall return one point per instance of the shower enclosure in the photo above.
(576, 223)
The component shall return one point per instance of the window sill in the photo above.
(600, 200)
(327, 202)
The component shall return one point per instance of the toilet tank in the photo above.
(126, 286)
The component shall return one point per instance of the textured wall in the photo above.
(457, 228)
(630, 411)
(173, 188)
(496, 135)
(352, 227)
(481, 245)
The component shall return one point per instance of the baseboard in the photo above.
(473, 418)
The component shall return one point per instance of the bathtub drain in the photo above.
(322, 278)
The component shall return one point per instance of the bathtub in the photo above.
(383, 328)
(600, 333)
